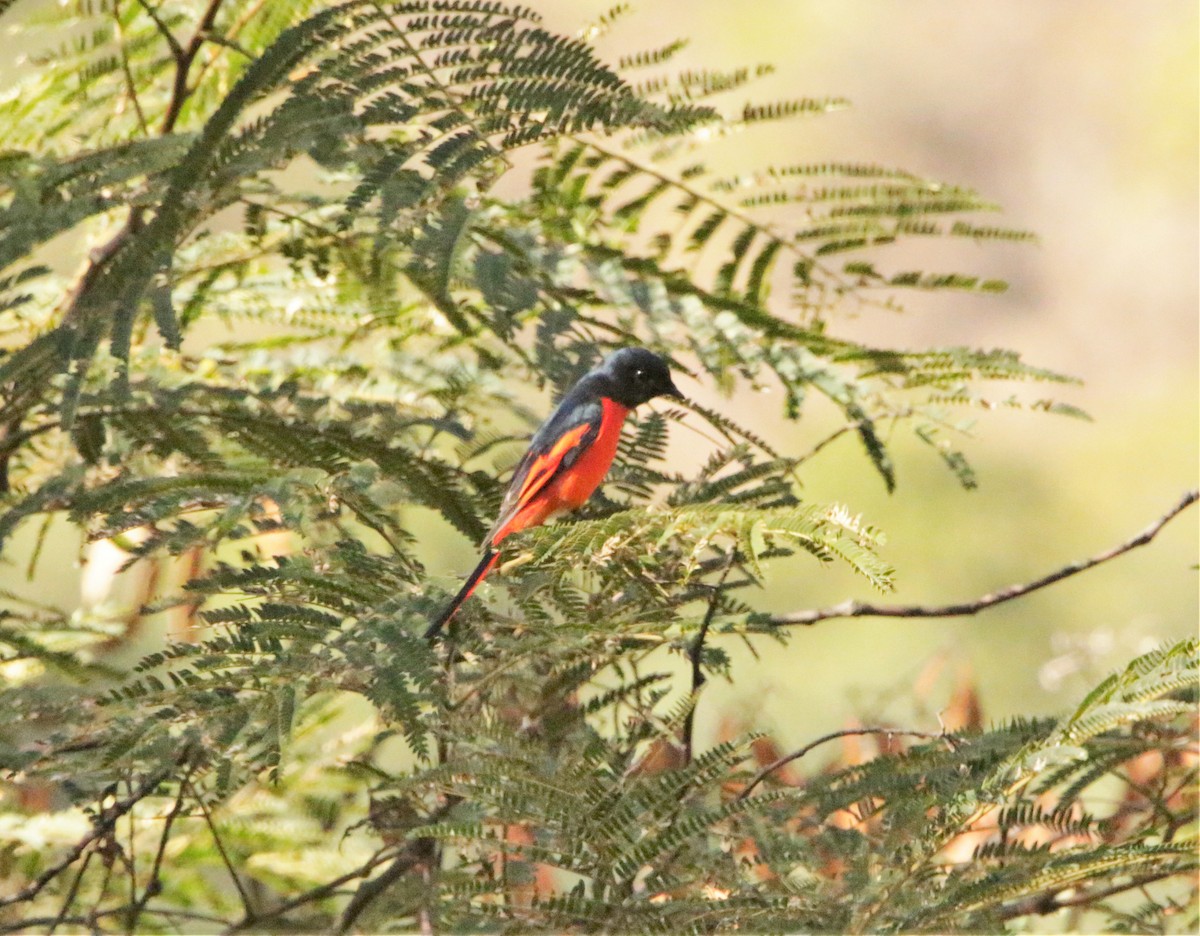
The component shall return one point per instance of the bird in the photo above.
(570, 453)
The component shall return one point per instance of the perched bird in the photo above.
(571, 453)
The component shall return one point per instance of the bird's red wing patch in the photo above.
(546, 465)
(515, 514)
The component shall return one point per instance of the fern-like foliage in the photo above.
(309, 333)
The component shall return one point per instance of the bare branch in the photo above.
(154, 885)
(851, 609)
(183, 64)
(72, 891)
(89, 921)
(696, 656)
(829, 440)
(247, 904)
(1053, 901)
(102, 827)
(421, 851)
(229, 39)
(163, 29)
(845, 732)
(317, 893)
(130, 84)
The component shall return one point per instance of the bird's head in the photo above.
(634, 375)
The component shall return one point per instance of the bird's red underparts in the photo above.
(541, 501)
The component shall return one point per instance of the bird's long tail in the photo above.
(484, 567)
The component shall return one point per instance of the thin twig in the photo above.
(129, 855)
(317, 893)
(420, 851)
(97, 261)
(24, 925)
(103, 826)
(71, 892)
(829, 440)
(153, 885)
(851, 609)
(163, 29)
(424, 912)
(94, 914)
(247, 905)
(696, 655)
(130, 85)
(227, 40)
(1050, 902)
(833, 735)
(183, 63)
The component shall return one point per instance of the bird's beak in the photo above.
(674, 391)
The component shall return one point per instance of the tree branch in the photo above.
(851, 609)
(163, 29)
(89, 921)
(229, 39)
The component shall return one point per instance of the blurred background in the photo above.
(1080, 118)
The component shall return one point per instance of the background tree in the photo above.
(411, 211)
